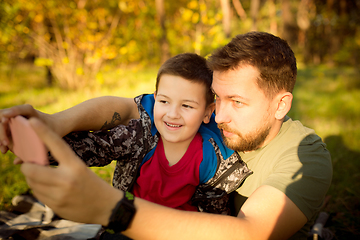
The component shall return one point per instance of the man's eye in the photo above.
(238, 103)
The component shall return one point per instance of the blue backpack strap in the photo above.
(148, 102)
(148, 156)
(209, 164)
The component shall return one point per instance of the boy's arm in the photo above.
(94, 114)
(100, 148)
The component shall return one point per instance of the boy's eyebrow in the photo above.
(185, 100)
(192, 101)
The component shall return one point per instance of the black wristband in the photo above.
(122, 214)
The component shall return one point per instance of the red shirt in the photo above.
(171, 186)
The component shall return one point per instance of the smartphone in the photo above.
(26, 143)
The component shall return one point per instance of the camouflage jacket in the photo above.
(221, 171)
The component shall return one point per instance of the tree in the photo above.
(76, 38)
(73, 38)
(226, 20)
(164, 44)
(254, 12)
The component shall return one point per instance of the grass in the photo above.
(324, 99)
(327, 101)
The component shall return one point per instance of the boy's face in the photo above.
(180, 108)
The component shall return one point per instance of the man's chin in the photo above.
(230, 142)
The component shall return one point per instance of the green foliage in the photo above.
(76, 39)
(42, 62)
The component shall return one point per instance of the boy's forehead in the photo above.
(176, 83)
(179, 80)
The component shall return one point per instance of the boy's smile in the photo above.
(172, 125)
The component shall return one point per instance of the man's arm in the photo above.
(94, 114)
(267, 214)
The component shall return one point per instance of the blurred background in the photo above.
(55, 54)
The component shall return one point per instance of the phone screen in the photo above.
(27, 145)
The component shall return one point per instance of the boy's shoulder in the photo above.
(145, 102)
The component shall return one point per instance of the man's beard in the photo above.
(249, 142)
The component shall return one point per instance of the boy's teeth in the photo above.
(171, 125)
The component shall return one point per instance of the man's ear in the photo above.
(208, 112)
(283, 101)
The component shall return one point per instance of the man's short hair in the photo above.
(271, 55)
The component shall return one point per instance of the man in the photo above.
(253, 77)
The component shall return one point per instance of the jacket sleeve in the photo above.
(100, 148)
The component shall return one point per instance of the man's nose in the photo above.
(221, 114)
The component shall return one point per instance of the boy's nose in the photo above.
(173, 112)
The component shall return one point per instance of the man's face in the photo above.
(243, 112)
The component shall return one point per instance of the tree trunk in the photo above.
(239, 9)
(272, 16)
(254, 12)
(226, 21)
(289, 30)
(303, 21)
(164, 44)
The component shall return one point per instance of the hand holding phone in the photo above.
(26, 143)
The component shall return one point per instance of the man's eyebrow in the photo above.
(235, 96)
(238, 97)
(212, 90)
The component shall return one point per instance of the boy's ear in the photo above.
(284, 101)
(155, 95)
(209, 110)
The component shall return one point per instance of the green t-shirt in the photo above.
(297, 163)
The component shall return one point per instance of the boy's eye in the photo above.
(187, 106)
(163, 101)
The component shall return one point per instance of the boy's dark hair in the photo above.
(271, 55)
(189, 66)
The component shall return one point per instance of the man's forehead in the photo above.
(237, 82)
(240, 74)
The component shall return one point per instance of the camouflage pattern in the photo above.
(128, 145)
(213, 196)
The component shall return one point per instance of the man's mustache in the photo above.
(224, 127)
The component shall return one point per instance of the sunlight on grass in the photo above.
(12, 182)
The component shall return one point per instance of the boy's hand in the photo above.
(72, 190)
